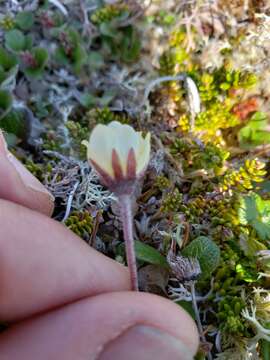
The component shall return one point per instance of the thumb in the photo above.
(18, 185)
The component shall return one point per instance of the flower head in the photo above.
(184, 268)
(119, 154)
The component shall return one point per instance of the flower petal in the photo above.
(100, 148)
(125, 138)
(143, 153)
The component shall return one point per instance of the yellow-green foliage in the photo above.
(222, 80)
(195, 155)
(228, 283)
(7, 22)
(208, 123)
(217, 116)
(229, 314)
(38, 170)
(104, 116)
(251, 172)
(108, 12)
(219, 89)
(81, 223)
(219, 211)
(176, 58)
(207, 87)
(162, 183)
(172, 202)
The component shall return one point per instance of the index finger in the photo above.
(19, 185)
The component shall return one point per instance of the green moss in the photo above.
(78, 133)
(39, 170)
(162, 183)
(81, 223)
(108, 13)
(195, 155)
(7, 22)
(104, 116)
(229, 315)
(172, 201)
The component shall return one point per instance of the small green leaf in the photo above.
(250, 246)
(246, 274)
(8, 78)
(5, 102)
(8, 68)
(87, 100)
(107, 29)
(107, 97)
(265, 349)
(72, 52)
(149, 254)
(248, 210)
(225, 86)
(206, 251)
(28, 42)
(130, 46)
(262, 229)
(41, 57)
(15, 40)
(254, 132)
(186, 305)
(95, 60)
(255, 211)
(60, 56)
(7, 60)
(24, 20)
(79, 57)
(14, 123)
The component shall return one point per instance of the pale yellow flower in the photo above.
(118, 153)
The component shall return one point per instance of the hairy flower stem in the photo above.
(197, 316)
(127, 220)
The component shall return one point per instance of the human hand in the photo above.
(65, 300)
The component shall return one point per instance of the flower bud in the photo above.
(184, 268)
(119, 154)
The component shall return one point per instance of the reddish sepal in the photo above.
(116, 166)
(131, 165)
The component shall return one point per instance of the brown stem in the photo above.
(127, 220)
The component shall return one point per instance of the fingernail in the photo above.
(27, 178)
(146, 343)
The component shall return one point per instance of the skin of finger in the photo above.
(84, 329)
(13, 184)
(44, 265)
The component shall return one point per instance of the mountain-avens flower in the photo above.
(119, 154)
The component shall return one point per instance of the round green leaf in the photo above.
(15, 40)
(24, 20)
(206, 251)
